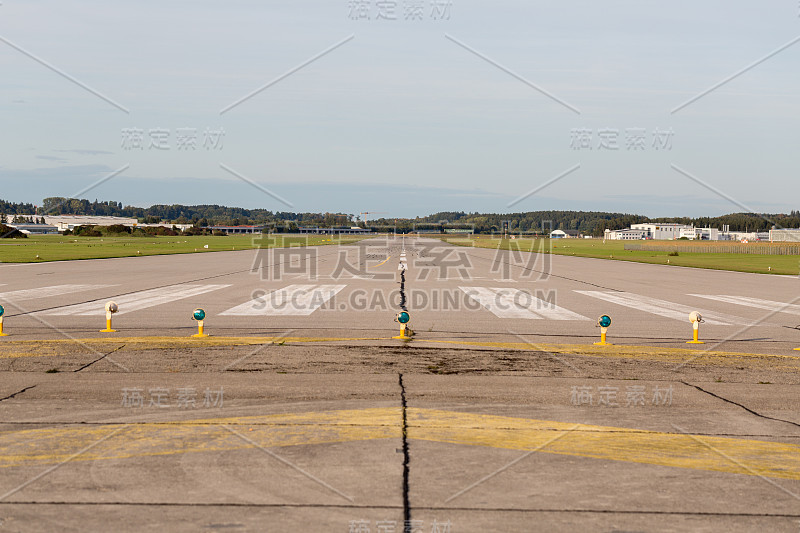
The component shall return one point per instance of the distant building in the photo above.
(701, 234)
(70, 222)
(237, 230)
(35, 229)
(315, 230)
(662, 231)
(626, 235)
(182, 227)
(565, 234)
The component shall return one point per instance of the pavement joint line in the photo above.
(396, 507)
(208, 504)
(537, 510)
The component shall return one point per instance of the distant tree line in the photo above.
(590, 222)
(534, 222)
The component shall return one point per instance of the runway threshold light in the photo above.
(111, 308)
(2, 312)
(603, 323)
(199, 315)
(696, 318)
(405, 331)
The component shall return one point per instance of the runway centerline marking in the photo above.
(664, 308)
(36, 447)
(294, 300)
(137, 301)
(506, 302)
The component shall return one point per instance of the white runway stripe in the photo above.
(138, 300)
(46, 292)
(294, 300)
(664, 308)
(758, 303)
(513, 303)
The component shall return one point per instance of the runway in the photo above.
(456, 293)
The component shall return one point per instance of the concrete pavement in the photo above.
(500, 416)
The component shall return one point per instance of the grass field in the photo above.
(64, 248)
(764, 264)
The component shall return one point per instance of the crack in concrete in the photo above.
(406, 504)
(87, 365)
(741, 406)
(16, 393)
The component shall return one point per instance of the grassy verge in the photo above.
(614, 250)
(65, 248)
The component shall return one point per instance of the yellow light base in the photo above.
(405, 334)
(695, 342)
(603, 343)
(108, 330)
(196, 335)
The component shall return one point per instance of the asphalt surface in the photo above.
(308, 416)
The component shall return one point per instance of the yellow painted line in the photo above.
(50, 348)
(718, 454)
(54, 348)
(384, 262)
(55, 445)
(616, 350)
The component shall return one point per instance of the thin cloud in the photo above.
(86, 152)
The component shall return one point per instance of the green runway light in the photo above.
(604, 321)
(403, 317)
(2, 310)
(198, 314)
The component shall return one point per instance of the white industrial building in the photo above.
(700, 234)
(665, 232)
(35, 229)
(662, 231)
(70, 222)
(625, 235)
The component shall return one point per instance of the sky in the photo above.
(404, 108)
